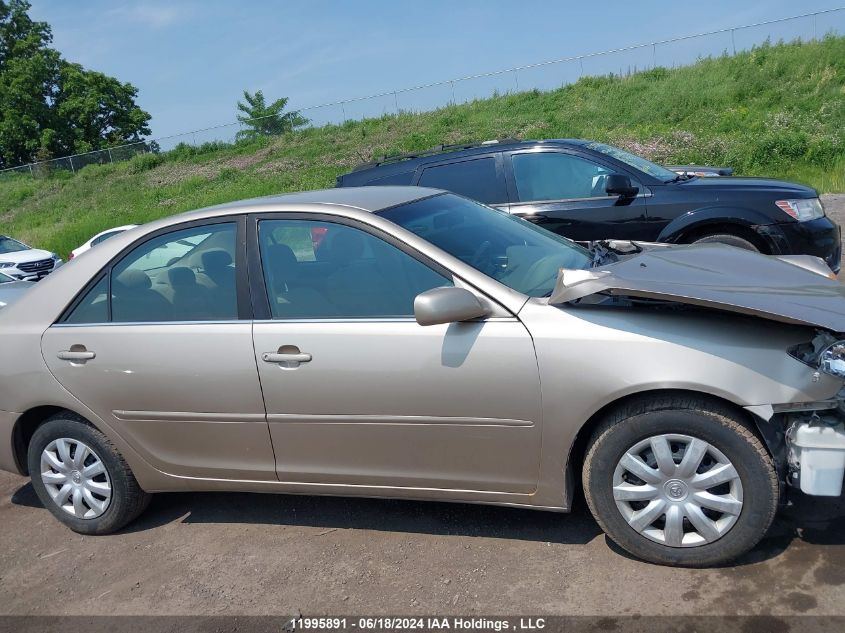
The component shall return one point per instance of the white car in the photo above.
(22, 262)
(100, 237)
(11, 290)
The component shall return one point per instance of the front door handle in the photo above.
(76, 355)
(287, 357)
(275, 357)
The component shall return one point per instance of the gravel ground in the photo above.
(281, 555)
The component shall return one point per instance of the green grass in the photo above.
(775, 111)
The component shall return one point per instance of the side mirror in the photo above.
(620, 185)
(447, 305)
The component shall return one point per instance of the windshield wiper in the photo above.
(680, 178)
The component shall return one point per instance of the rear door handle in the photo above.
(274, 357)
(76, 355)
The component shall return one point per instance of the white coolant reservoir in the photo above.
(820, 451)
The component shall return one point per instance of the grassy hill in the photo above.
(777, 111)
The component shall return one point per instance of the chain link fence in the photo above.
(547, 75)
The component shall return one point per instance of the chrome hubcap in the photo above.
(677, 490)
(75, 478)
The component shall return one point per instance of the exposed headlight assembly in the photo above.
(803, 209)
(832, 359)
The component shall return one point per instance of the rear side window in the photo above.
(394, 179)
(94, 307)
(476, 179)
(185, 275)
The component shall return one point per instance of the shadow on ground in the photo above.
(813, 520)
(385, 515)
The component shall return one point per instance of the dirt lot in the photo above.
(253, 554)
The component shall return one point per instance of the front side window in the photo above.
(556, 176)
(476, 179)
(322, 270)
(185, 275)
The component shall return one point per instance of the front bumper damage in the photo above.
(816, 452)
(807, 441)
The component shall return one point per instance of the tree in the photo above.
(49, 106)
(27, 70)
(94, 111)
(265, 119)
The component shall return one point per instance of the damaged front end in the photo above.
(791, 290)
(815, 437)
(806, 439)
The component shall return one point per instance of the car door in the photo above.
(157, 350)
(358, 393)
(481, 178)
(564, 193)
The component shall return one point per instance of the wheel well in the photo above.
(25, 428)
(579, 446)
(729, 228)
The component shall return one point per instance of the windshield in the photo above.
(515, 252)
(637, 162)
(8, 245)
(5, 278)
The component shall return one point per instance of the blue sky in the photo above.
(190, 59)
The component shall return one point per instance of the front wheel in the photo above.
(81, 478)
(729, 239)
(680, 481)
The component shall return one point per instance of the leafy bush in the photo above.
(144, 162)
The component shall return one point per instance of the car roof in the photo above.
(401, 163)
(369, 199)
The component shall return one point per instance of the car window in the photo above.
(94, 307)
(169, 252)
(637, 162)
(476, 179)
(323, 270)
(5, 278)
(557, 176)
(515, 252)
(185, 275)
(403, 178)
(8, 245)
(104, 237)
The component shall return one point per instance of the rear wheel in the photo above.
(730, 240)
(81, 478)
(680, 481)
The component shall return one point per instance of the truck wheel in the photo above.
(730, 240)
(680, 481)
(81, 478)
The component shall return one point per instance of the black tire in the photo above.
(730, 240)
(127, 500)
(700, 418)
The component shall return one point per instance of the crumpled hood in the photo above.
(717, 276)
